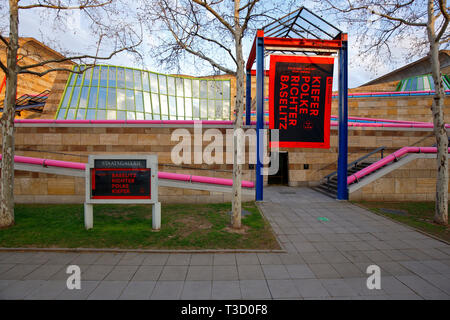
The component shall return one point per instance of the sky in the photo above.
(35, 23)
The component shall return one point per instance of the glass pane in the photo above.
(164, 117)
(67, 97)
(73, 77)
(129, 78)
(180, 107)
(95, 76)
(131, 116)
(162, 84)
(121, 115)
(120, 78)
(111, 115)
(226, 110)
(137, 80)
(420, 84)
(93, 97)
(145, 82)
(163, 100)
(70, 114)
(171, 85)
(211, 89)
(139, 102)
(226, 89)
(173, 106)
(84, 97)
(61, 114)
(147, 102)
(112, 77)
(188, 107)
(203, 108)
(130, 100)
(219, 109)
(112, 98)
(74, 101)
(196, 106)
(121, 99)
(179, 84)
(155, 103)
(87, 77)
(203, 89)
(104, 76)
(154, 82)
(148, 116)
(211, 109)
(196, 88)
(90, 115)
(101, 98)
(140, 116)
(81, 114)
(187, 88)
(155, 117)
(219, 90)
(101, 114)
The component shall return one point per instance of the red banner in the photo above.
(300, 90)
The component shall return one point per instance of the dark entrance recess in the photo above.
(282, 176)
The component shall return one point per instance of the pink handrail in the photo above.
(161, 175)
(390, 158)
(394, 124)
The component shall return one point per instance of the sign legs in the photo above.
(88, 216)
(156, 216)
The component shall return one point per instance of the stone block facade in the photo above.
(306, 166)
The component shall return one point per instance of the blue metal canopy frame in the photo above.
(305, 32)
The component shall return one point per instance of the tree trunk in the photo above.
(441, 207)
(237, 167)
(7, 180)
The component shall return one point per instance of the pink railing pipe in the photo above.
(390, 158)
(161, 175)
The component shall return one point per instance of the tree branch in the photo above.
(199, 54)
(59, 7)
(4, 68)
(42, 63)
(219, 17)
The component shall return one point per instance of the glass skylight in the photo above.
(118, 93)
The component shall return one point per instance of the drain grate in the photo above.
(391, 211)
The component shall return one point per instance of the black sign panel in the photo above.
(300, 100)
(123, 183)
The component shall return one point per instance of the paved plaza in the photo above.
(324, 259)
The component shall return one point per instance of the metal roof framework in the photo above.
(301, 31)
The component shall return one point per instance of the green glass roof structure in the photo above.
(119, 93)
(421, 83)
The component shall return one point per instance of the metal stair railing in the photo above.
(355, 163)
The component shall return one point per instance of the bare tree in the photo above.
(423, 26)
(207, 31)
(120, 37)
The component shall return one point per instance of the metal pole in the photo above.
(259, 112)
(342, 190)
(248, 98)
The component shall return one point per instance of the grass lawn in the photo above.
(201, 226)
(416, 214)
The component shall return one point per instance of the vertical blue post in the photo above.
(259, 112)
(342, 190)
(248, 98)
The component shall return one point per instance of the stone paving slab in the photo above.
(323, 260)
